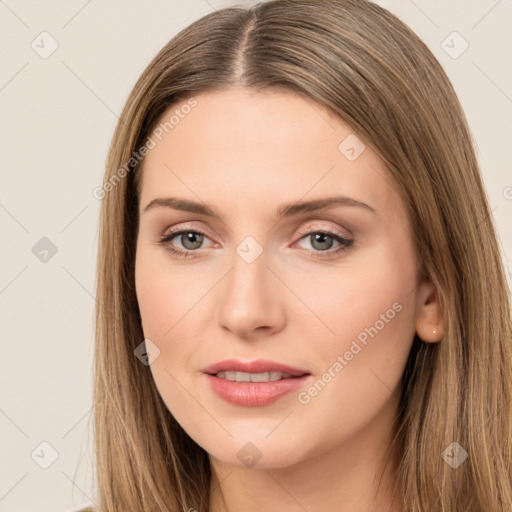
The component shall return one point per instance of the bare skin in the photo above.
(303, 301)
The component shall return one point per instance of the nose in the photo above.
(250, 300)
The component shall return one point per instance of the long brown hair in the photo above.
(365, 66)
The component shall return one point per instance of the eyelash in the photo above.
(345, 243)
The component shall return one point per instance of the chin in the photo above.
(256, 453)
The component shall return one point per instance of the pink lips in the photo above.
(254, 394)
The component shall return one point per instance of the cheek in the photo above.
(345, 300)
(371, 310)
(164, 299)
(165, 293)
(168, 301)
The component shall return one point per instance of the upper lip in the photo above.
(258, 366)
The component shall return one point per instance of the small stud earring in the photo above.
(434, 331)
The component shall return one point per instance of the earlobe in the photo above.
(429, 319)
(435, 336)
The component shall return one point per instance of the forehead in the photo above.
(240, 148)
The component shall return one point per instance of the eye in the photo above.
(190, 240)
(322, 241)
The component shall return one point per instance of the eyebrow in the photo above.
(285, 210)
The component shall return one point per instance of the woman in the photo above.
(301, 300)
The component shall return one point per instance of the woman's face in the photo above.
(261, 282)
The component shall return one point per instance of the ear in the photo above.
(430, 324)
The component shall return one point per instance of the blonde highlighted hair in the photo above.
(365, 66)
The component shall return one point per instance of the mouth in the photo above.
(245, 371)
(254, 384)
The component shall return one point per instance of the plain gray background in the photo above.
(58, 113)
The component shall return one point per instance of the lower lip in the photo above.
(254, 394)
